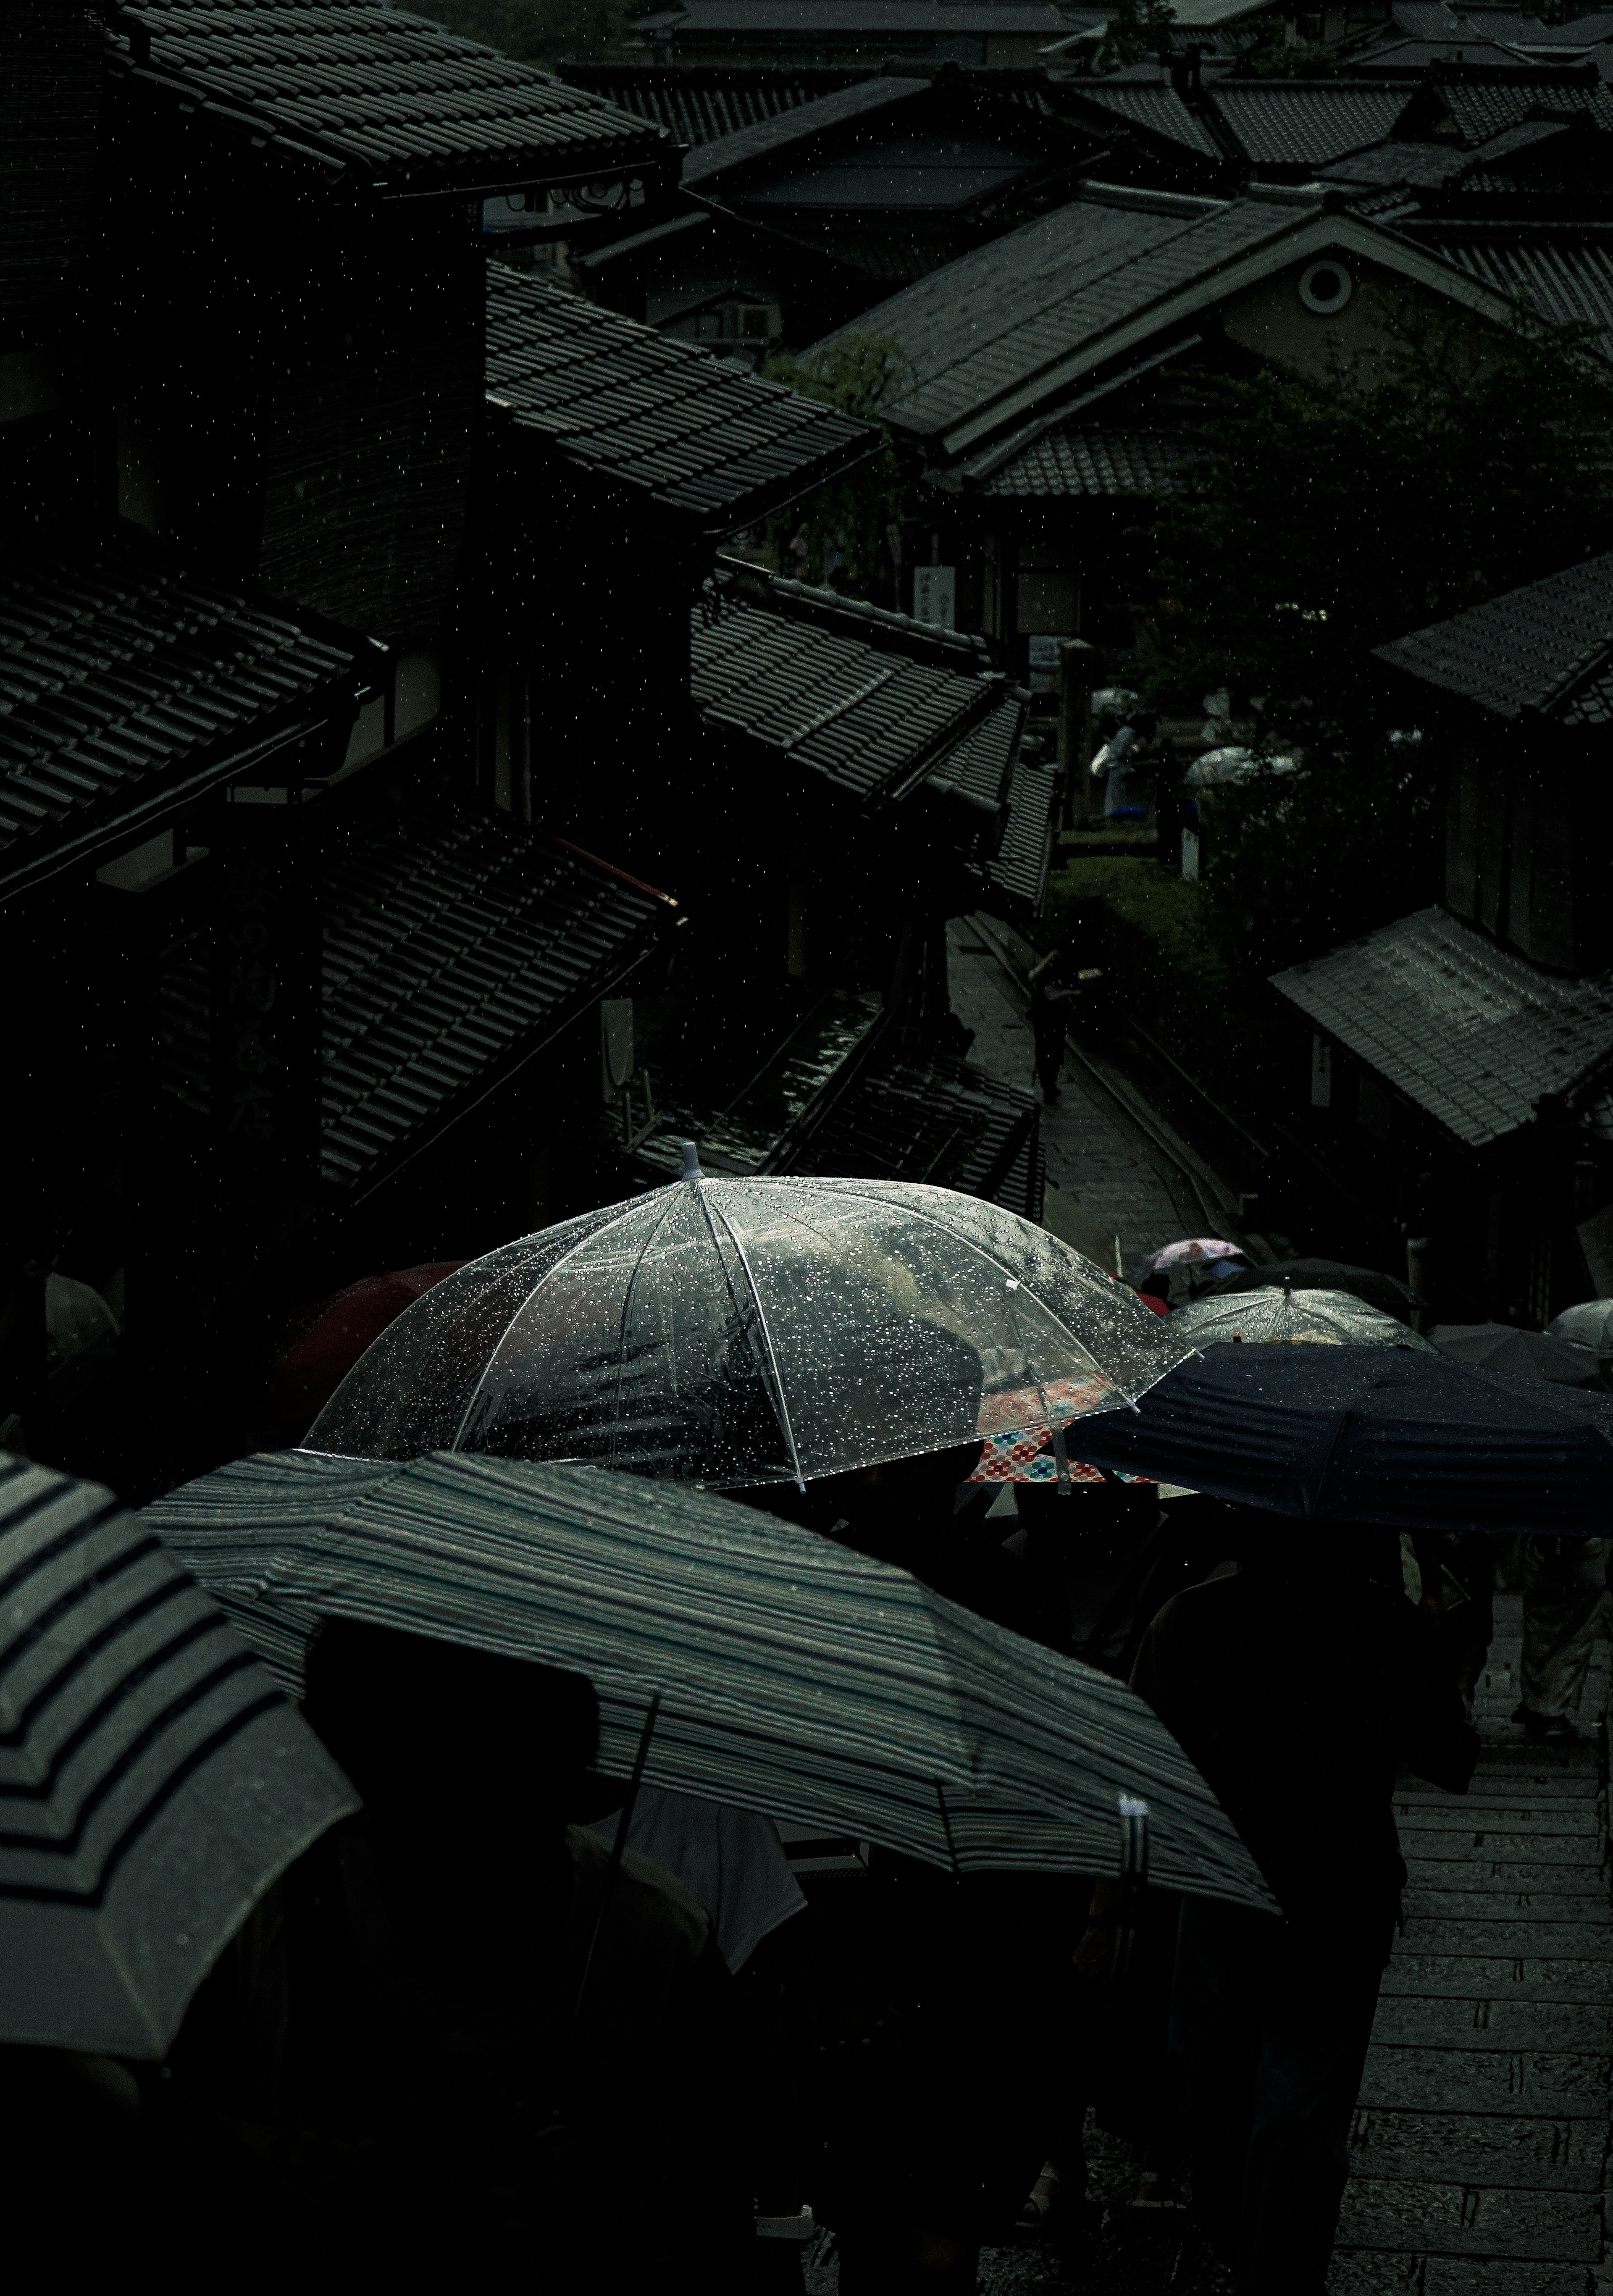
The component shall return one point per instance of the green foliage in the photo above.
(538, 32)
(1271, 54)
(1134, 27)
(1314, 522)
(841, 535)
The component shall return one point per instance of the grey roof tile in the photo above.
(1482, 104)
(768, 137)
(996, 318)
(1281, 123)
(916, 19)
(1160, 110)
(1564, 270)
(1077, 458)
(125, 676)
(457, 942)
(871, 700)
(1546, 647)
(704, 103)
(1467, 1030)
(680, 431)
(389, 96)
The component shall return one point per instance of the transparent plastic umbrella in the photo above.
(1287, 1318)
(731, 1332)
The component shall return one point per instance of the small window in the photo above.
(1325, 287)
(754, 323)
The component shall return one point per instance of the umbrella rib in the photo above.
(621, 1334)
(604, 1229)
(773, 1361)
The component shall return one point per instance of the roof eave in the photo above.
(1327, 229)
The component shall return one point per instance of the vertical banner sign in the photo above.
(1322, 1073)
(265, 1064)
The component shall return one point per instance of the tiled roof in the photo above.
(1016, 874)
(1083, 458)
(457, 942)
(661, 421)
(1470, 1032)
(1546, 647)
(1564, 270)
(1160, 110)
(1579, 32)
(913, 18)
(979, 772)
(870, 700)
(975, 332)
(1387, 167)
(935, 1120)
(1415, 56)
(359, 86)
(126, 683)
(1481, 105)
(1284, 123)
(704, 103)
(1424, 19)
(50, 107)
(769, 137)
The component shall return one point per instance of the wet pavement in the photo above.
(1480, 2152)
(1105, 1145)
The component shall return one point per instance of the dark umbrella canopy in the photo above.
(796, 1676)
(1503, 1347)
(153, 1779)
(1372, 1435)
(1369, 1283)
(730, 1332)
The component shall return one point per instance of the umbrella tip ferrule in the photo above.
(691, 1161)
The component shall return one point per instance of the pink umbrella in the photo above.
(1189, 1249)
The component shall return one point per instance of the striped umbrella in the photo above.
(153, 1780)
(796, 1676)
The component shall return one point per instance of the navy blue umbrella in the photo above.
(1372, 1435)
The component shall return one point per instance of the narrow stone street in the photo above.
(1480, 2147)
(1105, 1146)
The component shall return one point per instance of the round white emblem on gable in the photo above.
(1325, 287)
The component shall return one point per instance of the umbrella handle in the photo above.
(1134, 1882)
(617, 1848)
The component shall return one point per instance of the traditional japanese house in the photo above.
(1047, 368)
(1454, 1071)
(864, 32)
(281, 973)
(872, 779)
(796, 222)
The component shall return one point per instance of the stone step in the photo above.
(1536, 2083)
(1572, 1940)
(1580, 1820)
(1573, 1787)
(1484, 2025)
(1484, 2149)
(1362, 2272)
(1452, 2219)
(1523, 1977)
(1425, 1900)
(1477, 1871)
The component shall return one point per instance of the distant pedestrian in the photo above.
(1297, 1687)
(1051, 996)
(1566, 1608)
